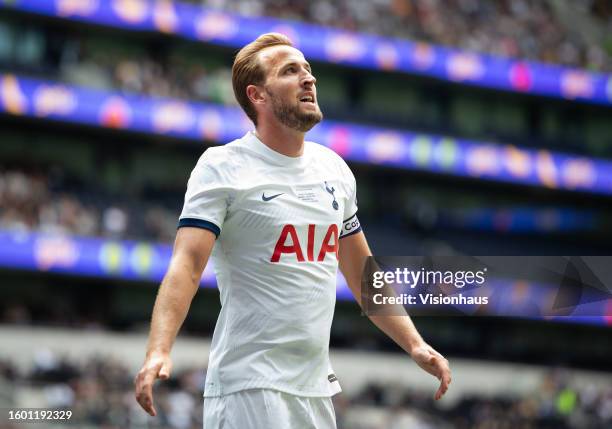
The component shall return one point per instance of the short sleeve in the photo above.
(207, 197)
(350, 207)
(350, 223)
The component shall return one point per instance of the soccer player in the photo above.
(279, 215)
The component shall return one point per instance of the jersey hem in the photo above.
(279, 387)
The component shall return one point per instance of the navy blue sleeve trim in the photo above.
(346, 220)
(199, 223)
(350, 233)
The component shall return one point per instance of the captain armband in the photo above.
(350, 226)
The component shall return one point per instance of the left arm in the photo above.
(352, 256)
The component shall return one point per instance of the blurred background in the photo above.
(472, 126)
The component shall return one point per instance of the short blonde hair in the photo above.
(247, 69)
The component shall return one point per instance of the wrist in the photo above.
(415, 344)
(157, 353)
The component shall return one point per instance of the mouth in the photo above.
(307, 99)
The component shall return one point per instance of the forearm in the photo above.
(171, 307)
(192, 248)
(399, 328)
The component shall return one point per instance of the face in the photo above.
(290, 88)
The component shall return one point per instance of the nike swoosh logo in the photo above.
(271, 197)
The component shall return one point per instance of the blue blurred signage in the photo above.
(130, 260)
(367, 144)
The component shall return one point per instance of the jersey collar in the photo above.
(274, 156)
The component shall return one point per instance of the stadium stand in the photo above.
(73, 340)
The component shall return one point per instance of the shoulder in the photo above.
(326, 156)
(218, 156)
(321, 151)
(219, 164)
(227, 157)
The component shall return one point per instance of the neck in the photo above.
(280, 138)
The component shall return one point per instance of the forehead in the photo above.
(275, 56)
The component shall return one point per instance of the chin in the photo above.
(312, 110)
(307, 126)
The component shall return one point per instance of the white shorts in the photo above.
(268, 409)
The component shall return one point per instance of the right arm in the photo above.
(192, 249)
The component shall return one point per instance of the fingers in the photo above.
(444, 382)
(444, 375)
(435, 364)
(144, 386)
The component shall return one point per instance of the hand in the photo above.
(155, 366)
(435, 364)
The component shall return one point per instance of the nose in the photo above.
(308, 80)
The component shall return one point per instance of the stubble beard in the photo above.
(292, 117)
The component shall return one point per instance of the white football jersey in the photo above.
(278, 221)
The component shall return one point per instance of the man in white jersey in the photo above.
(281, 215)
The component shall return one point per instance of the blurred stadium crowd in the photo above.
(536, 30)
(174, 76)
(99, 392)
(50, 202)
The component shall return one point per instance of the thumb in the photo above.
(164, 372)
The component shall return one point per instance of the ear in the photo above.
(256, 94)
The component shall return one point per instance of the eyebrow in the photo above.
(306, 64)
